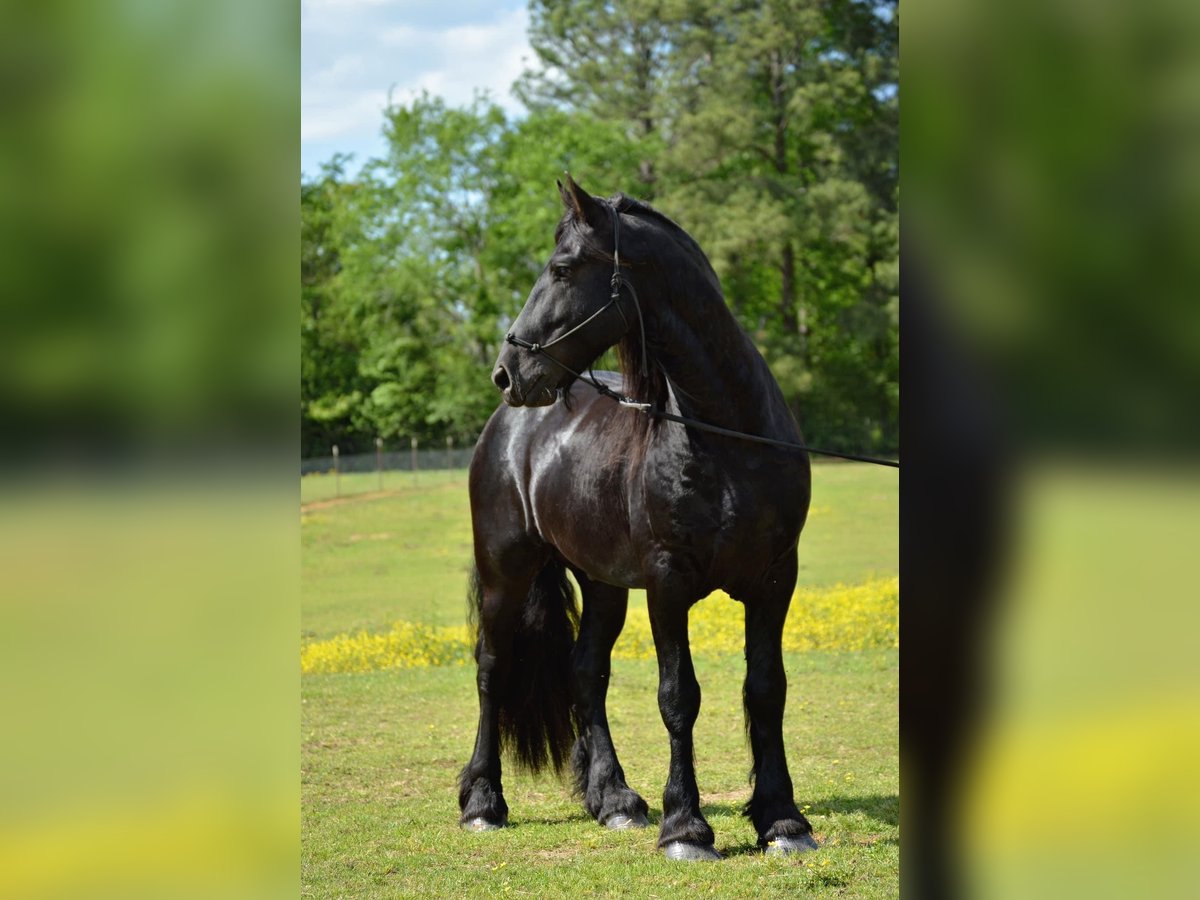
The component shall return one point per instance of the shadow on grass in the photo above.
(569, 819)
(883, 809)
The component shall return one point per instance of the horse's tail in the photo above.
(537, 726)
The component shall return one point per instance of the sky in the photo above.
(354, 52)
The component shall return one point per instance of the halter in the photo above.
(617, 282)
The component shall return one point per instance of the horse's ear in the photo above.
(580, 203)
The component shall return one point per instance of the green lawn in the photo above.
(382, 750)
(375, 558)
(328, 486)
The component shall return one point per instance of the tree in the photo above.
(608, 60)
(774, 141)
(330, 340)
(412, 271)
(768, 129)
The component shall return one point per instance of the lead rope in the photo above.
(617, 282)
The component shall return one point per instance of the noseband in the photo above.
(617, 282)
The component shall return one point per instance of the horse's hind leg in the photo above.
(598, 775)
(781, 827)
(481, 795)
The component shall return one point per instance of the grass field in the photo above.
(382, 749)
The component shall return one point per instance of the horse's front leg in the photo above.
(598, 774)
(781, 827)
(684, 834)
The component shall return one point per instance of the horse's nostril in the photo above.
(500, 378)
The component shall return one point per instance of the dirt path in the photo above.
(338, 501)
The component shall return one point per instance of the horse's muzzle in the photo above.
(515, 393)
(508, 388)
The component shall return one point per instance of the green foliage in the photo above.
(769, 130)
(786, 124)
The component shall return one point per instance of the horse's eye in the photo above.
(560, 270)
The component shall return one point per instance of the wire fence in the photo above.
(350, 474)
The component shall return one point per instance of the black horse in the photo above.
(625, 500)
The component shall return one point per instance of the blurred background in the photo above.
(148, 372)
(151, 375)
(1051, 181)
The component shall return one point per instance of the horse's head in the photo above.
(571, 316)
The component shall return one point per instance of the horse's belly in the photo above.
(590, 530)
(607, 559)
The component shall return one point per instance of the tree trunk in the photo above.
(787, 293)
(647, 177)
(644, 70)
(787, 260)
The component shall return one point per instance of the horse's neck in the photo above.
(716, 374)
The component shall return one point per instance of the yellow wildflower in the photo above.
(843, 617)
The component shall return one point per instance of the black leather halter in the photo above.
(617, 282)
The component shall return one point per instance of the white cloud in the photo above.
(315, 6)
(332, 114)
(402, 36)
(355, 51)
(344, 70)
(465, 58)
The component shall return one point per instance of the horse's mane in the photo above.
(626, 204)
(651, 386)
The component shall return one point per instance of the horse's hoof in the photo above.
(622, 822)
(690, 851)
(788, 844)
(481, 824)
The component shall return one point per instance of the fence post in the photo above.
(449, 453)
(337, 474)
(379, 460)
(414, 460)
